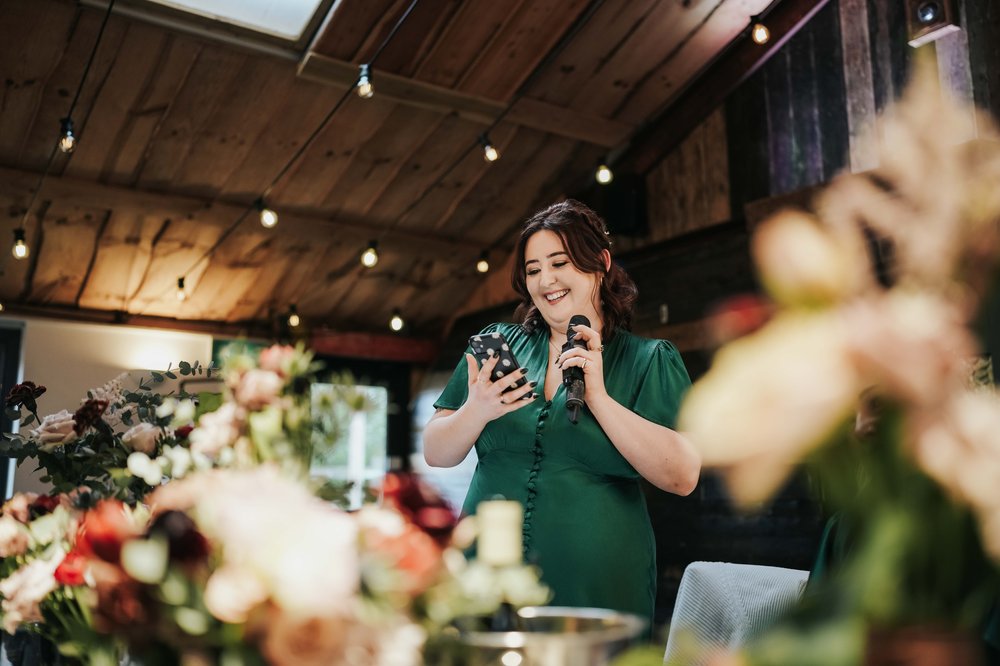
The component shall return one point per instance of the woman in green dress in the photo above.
(585, 518)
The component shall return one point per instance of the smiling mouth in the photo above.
(556, 296)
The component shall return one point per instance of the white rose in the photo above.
(54, 431)
(216, 431)
(142, 437)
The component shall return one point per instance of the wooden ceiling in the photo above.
(179, 134)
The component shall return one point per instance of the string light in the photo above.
(181, 293)
(293, 316)
(1, 307)
(759, 32)
(490, 153)
(366, 88)
(396, 323)
(604, 175)
(483, 265)
(370, 256)
(268, 218)
(67, 140)
(20, 249)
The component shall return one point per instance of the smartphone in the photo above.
(481, 346)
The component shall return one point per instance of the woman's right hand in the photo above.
(487, 398)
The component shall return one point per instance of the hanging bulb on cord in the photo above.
(365, 88)
(396, 323)
(604, 175)
(181, 293)
(759, 33)
(67, 140)
(20, 249)
(483, 265)
(293, 316)
(490, 153)
(268, 218)
(370, 256)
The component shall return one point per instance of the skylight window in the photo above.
(285, 19)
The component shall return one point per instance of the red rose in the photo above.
(103, 531)
(421, 504)
(70, 571)
(24, 394)
(43, 504)
(183, 432)
(89, 415)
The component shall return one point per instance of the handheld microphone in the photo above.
(573, 377)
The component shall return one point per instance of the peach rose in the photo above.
(142, 437)
(55, 430)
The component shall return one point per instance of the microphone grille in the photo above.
(579, 319)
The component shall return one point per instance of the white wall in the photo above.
(68, 359)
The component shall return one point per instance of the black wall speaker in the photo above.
(622, 204)
(927, 20)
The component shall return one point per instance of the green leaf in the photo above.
(170, 374)
(28, 420)
(157, 377)
(13, 413)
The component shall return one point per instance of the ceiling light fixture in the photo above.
(293, 316)
(490, 153)
(365, 87)
(20, 249)
(370, 256)
(268, 218)
(759, 32)
(181, 293)
(396, 323)
(603, 174)
(483, 265)
(67, 140)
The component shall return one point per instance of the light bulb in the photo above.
(1, 307)
(490, 153)
(396, 323)
(483, 265)
(370, 256)
(268, 218)
(67, 140)
(365, 86)
(20, 249)
(760, 33)
(294, 320)
(604, 175)
(181, 293)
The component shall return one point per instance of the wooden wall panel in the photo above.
(689, 189)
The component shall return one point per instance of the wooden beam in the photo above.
(18, 185)
(710, 88)
(532, 113)
(374, 346)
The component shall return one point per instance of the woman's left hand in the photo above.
(590, 360)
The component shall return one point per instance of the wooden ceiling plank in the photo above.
(368, 303)
(175, 251)
(708, 91)
(693, 52)
(648, 44)
(322, 165)
(535, 114)
(524, 42)
(349, 24)
(18, 185)
(301, 110)
(414, 39)
(108, 117)
(227, 136)
(598, 40)
(308, 283)
(424, 167)
(230, 275)
(43, 24)
(465, 39)
(62, 85)
(69, 240)
(122, 258)
(176, 61)
(377, 163)
(214, 69)
(438, 204)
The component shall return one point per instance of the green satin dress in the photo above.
(585, 519)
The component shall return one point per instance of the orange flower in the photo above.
(71, 570)
(103, 531)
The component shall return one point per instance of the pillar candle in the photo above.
(499, 532)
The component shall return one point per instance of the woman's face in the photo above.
(558, 288)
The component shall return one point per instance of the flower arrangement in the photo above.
(192, 533)
(864, 375)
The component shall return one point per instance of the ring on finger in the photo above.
(585, 363)
(600, 348)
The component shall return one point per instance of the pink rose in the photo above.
(277, 358)
(19, 506)
(216, 431)
(13, 537)
(142, 438)
(258, 388)
(24, 590)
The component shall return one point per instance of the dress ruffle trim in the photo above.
(529, 503)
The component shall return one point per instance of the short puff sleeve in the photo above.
(662, 387)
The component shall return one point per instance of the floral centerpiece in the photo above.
(186, 532)
(864, 375)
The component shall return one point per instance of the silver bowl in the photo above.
(555, 636)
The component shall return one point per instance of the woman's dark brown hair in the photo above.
(584, 236)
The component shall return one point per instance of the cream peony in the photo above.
(142, 437)
(216, 431)
(25, 589)
(258, 388)
(769, 398)
(13, 537)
